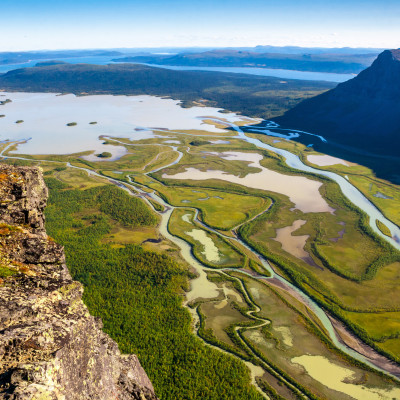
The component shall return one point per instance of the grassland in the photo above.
(349, 271)
(182, 223)
(218, 209)
(383, 228)
(382, 193)
(261, 322)
(352, 269)
(137, 292)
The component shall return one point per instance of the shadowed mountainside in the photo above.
(363, 112)
(360, 118)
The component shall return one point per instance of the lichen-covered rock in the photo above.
(50, 346)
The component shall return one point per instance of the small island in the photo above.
(198, 142)
(72, 124)
(104, 154)
(2, 115)
(19, 121)
(93, 123)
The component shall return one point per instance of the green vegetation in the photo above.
(218, 209)
(138, 294)
(383, 228)
(6, 272)
(114, 202)
(19, 121)
(93, 123)
(72, 124)
(2, 115)
(157, 206)
(135, 279)
(385, 195)
(218, 252)
(351, 272)
(104, 154)
(198, 142)
(256, 96)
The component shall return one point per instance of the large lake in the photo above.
(46, 115)
(278, 73)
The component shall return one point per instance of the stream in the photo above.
(201, 287)
(351, 192)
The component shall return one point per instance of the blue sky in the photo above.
(62, 24)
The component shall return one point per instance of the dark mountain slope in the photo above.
(363, 113)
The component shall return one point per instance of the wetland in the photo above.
(237, 277)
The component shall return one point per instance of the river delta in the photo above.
(282, 250)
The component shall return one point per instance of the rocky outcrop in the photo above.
(50, 346)
(363, 112)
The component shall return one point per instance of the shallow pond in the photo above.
(339, 378)
(325, 160)
(303, 192)
(294, 245)
(210, 252)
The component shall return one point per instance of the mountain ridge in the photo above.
(363, 112)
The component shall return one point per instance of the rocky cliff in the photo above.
(363, 112)
(50, 346)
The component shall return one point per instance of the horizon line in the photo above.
(196, 47)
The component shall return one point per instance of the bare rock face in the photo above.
(50, 346)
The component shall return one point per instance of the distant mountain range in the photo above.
(313, 59)
(21, 57)
(306, 61)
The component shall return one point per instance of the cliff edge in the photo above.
(50, 346)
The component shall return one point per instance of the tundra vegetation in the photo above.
(104, 154)
(137, 286)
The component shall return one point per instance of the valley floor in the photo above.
(226, 283)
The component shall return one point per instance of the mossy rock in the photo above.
(6, 272)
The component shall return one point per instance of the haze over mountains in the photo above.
(338, 60)
(322, 61)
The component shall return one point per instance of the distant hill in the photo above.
(256, 96)
(363, 112)
(48, 63)
(24, 56)
(321, 62)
